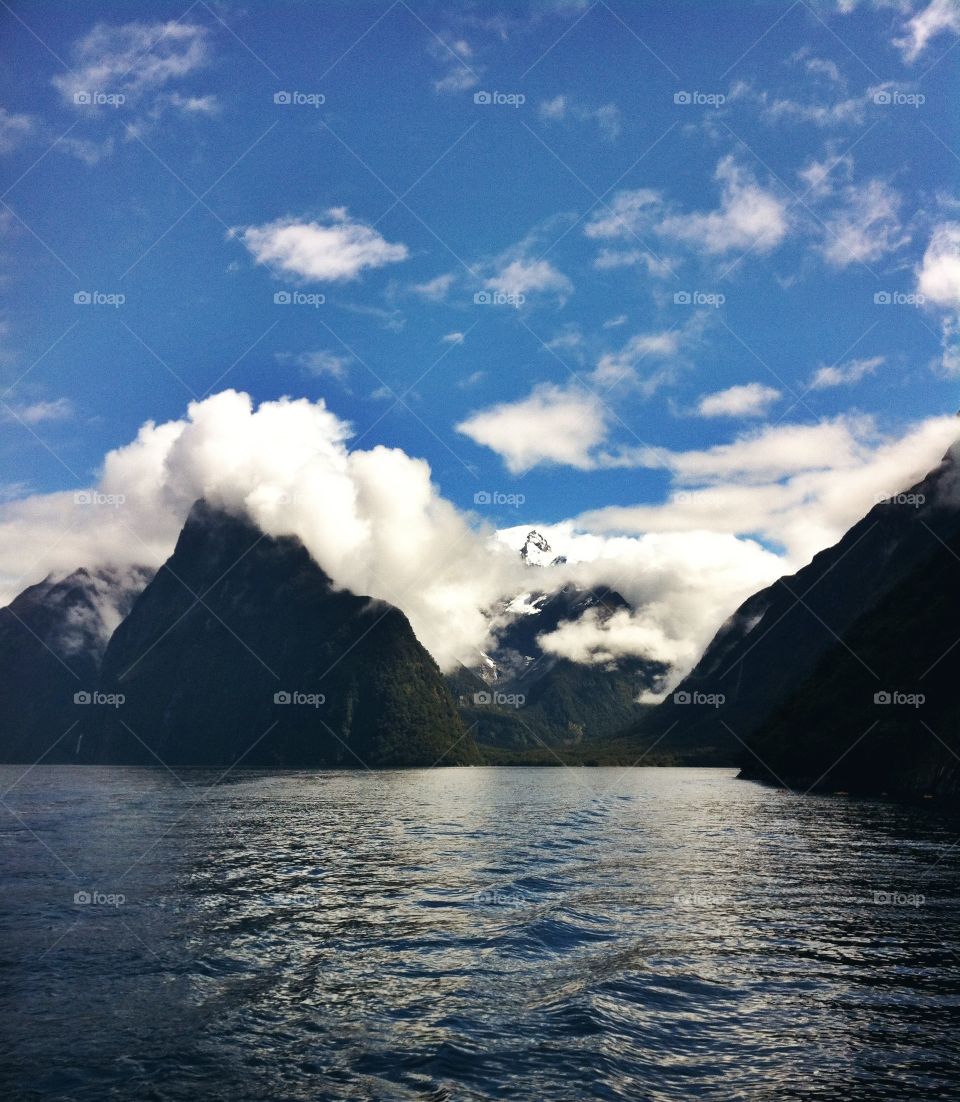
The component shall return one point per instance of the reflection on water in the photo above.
(472, 934)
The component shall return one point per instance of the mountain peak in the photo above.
(536, 550)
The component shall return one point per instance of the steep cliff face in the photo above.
(881, 711)
(52, 640)
(240, 650)
(779, 637)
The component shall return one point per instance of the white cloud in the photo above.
(798, 486)
(523, 276)
(866, 227)
(925, 25)
(322, 362)
(938, 278)
(552, 425)
(749, 400)
(34, 413)
(455, 53)
(376, 524)
(339, 249)
(749, 217)
(626, 215)
(14, 129)
(623, 367)
(436, 289)
(852, 371)
(453, 338)
(133, 58)
(607, 117)
(554, 109)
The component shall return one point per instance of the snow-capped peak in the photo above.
(536, 551)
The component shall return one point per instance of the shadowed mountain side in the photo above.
(52, 639)
(776, 639)
(881, 712)
(241, 650)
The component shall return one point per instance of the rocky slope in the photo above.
(52, 639)
(241, 651)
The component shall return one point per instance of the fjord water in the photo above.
(472, 934)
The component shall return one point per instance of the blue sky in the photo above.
(698, 206)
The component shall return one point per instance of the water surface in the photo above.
(468, 934)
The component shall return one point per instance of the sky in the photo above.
(669, 280)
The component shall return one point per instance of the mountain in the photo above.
(52, 639)
(762, 685)
(240, 650)
(519, 696)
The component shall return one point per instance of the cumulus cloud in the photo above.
(681, 588)
(749, 400)
(375, 522)
(844, 374)
(553, 425)
(133, 58)
(920, 30)
(338, 249)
